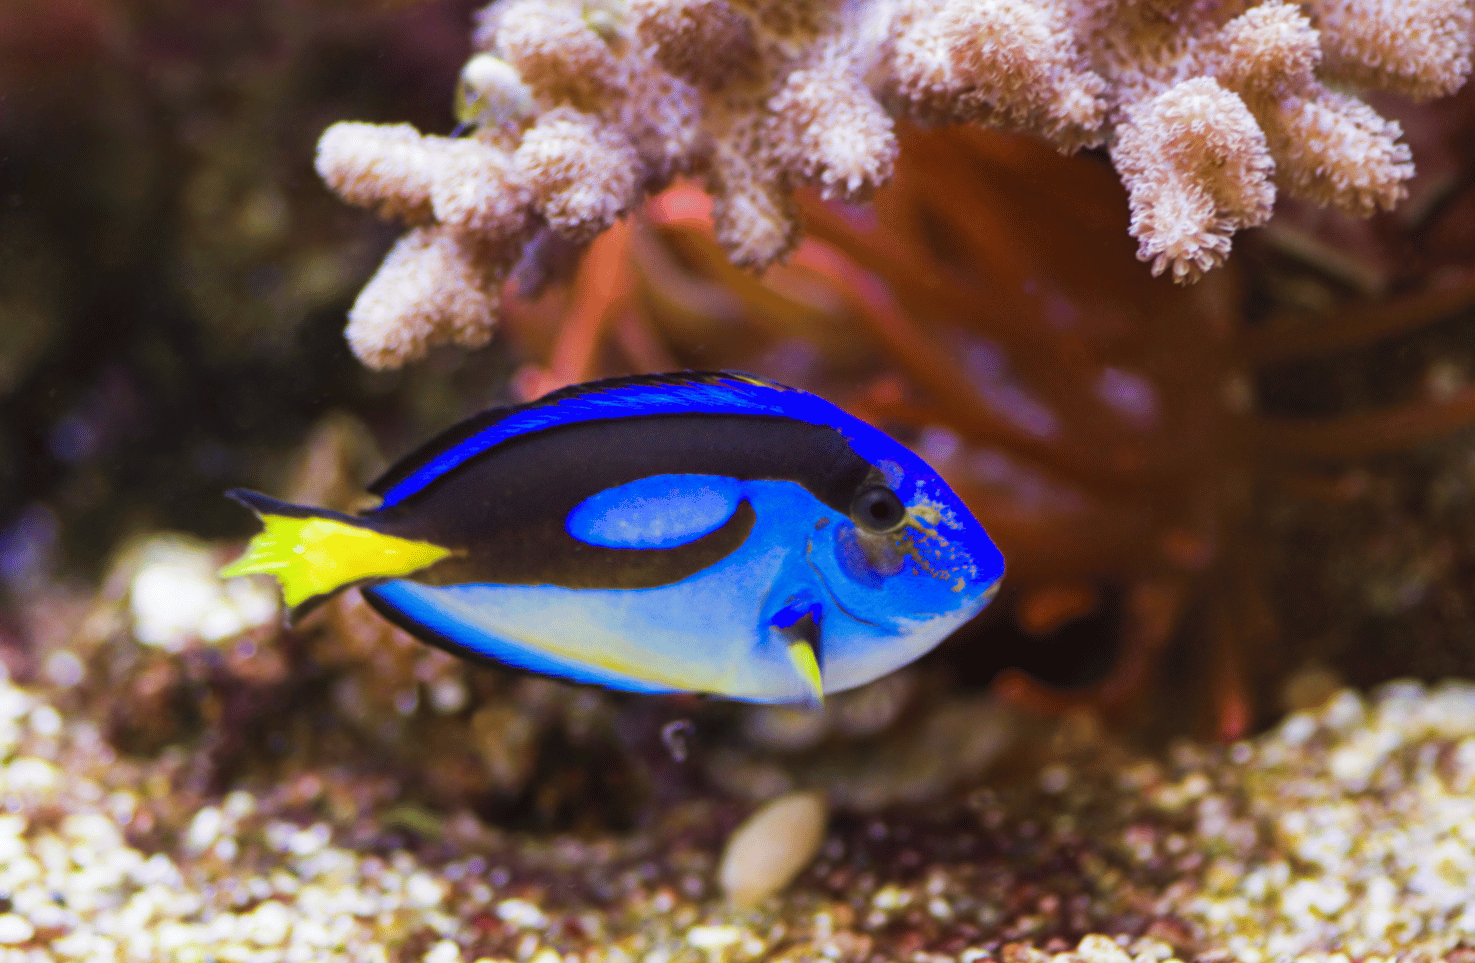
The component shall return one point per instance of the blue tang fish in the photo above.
(709, 533)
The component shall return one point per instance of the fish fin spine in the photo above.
(806, 664)
(315, 553)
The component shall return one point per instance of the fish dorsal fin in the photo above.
(702, 392)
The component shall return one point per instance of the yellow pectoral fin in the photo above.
(315, 556)
(802, 655)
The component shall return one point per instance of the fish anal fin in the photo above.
(313, 555)
(806, 664)
(796, 623)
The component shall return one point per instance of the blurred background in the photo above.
(1218, 502)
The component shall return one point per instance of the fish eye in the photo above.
(877, 509)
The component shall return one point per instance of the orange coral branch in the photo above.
(781, 316)
(982, 221)
(940, 376)
(1364, 435)
(928, 288)
(601, 291)
(641, 346)
(1153, 608)
(985, 292)
(1109, 540)
(1291, 339)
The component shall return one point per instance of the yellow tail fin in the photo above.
(317, 553)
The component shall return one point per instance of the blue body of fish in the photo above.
(711, 533)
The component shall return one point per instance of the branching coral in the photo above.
(581, 107)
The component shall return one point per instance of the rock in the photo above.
(769, 849)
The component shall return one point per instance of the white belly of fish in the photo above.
(701, 634)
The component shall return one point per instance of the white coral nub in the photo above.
(586, 172)
(434, 286)
(1009, 63)
(1197, 167)
(583, 107)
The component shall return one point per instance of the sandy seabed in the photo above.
(1345, 833)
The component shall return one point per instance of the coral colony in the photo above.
(577, 109)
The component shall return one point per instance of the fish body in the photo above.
(711, 533)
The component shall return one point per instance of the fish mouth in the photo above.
(808, 551)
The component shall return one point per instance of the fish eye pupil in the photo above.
(878, 509)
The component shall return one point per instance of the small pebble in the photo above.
(176, 595)
(1099, 949)
(521, 914)
(268, 924)
(45, 721)
(769, 849)
(203, 830)
(446, 951)
(424, 890)
(713, 938)
(65, 669)
(15, 929)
